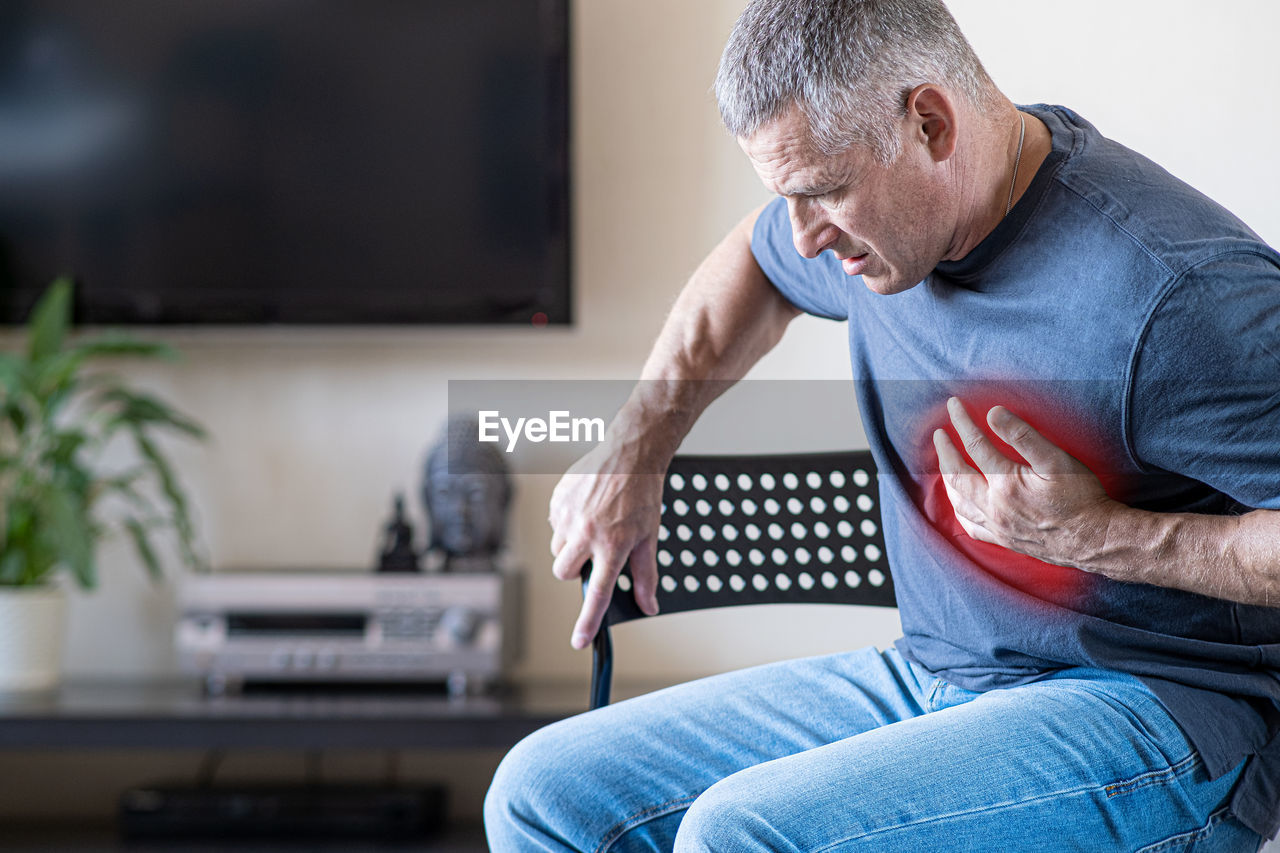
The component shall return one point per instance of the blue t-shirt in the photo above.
(1135, 323)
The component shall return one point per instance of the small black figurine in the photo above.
(398, 554)
(466, 492)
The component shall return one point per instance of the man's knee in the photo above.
(732, 815)
(530, 777)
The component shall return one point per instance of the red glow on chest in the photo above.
(1051, 418)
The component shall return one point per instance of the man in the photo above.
(1067, 364)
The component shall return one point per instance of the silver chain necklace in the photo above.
(1022, 135)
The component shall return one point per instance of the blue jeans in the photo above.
(865, 751)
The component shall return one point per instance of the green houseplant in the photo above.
(62, 491)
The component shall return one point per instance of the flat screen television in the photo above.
(244, 162)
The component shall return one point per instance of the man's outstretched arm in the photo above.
(607, 507)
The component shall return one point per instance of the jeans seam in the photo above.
(1189, 836)
(1068, 792)
(1190, 763)
(933, 694)
(641, 817)
(932, 818)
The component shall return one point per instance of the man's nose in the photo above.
(811, 231)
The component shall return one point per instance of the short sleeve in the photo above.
(1205, 398)
(815, 286)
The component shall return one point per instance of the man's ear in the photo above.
(932, 117)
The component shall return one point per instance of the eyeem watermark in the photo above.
(559, 427)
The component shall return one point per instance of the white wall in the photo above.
(312, 431)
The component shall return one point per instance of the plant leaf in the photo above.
(69, 534)
(14, 384)
(123, 485)
(120, 346)
(143, 546)
(180, 518)
(138, 409)
(56, 376)
(49, 321)
(11, 368)
(64, 446)
(12, 563)
(16, 416)
(28, 556)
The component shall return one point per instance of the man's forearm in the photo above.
(725, 319)
(1230, 557)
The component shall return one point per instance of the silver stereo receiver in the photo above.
(455, 629)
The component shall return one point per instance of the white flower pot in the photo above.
(32, 626)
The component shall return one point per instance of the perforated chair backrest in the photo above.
(793, 528)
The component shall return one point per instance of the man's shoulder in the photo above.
(1160, 214)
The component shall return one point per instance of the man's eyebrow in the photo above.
(818, 188)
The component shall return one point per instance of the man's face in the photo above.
(885, 223)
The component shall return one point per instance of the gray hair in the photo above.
(849, 65)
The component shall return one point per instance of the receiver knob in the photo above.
(461, 624)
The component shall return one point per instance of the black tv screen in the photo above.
(286, 161)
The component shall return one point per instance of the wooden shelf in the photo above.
(177, 715)
(103, 838)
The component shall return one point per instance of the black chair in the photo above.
(794, 528)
